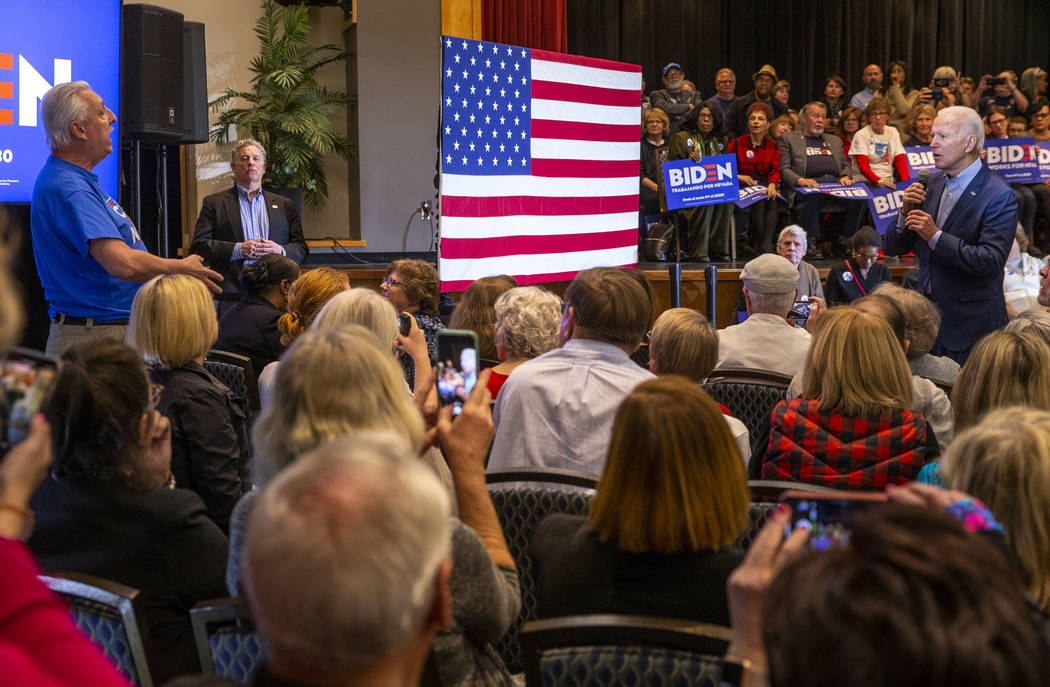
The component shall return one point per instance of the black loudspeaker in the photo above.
(194, 85)
(151, 69)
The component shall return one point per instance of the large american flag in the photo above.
(539, 163)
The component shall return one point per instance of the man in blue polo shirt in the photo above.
(89, 255)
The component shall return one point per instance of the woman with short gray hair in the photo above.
(528, 319)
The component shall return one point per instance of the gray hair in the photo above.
(359, 306)
(944, 72)
(244, 143)
(772, 303)
(967, 122)
(1029, 77)
(60, 106)
(343, 552)
(1035, 320)
(922, 320)
(796, 231)
(814, 103)
(527, 321)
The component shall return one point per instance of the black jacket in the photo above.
(249, 328)
(158, 541)
(210, 450)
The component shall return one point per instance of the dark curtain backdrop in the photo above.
(528, 23)
(807, 41)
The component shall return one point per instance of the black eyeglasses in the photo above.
(868, 257)
(390, 281)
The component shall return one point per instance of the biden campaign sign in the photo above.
(48, 42)
(1015, 159)
(919, 158)
(708, 182)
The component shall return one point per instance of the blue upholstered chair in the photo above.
(227, 643)
(110, 615)
(236, 372)
(607, 650)
(522, 499)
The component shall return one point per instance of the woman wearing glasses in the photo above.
(861, 272)
(107, 508)
(708, 226)
(877, 150)
(411, 286)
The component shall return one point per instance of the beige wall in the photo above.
(231, 44)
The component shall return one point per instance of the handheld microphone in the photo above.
(924, 177)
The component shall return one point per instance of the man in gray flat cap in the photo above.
(766, 340)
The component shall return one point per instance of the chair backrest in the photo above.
(598, 650)
(522, 499)
(750, 396)
(236, 372)
(110, 615)
(771, 489)
(227, 643)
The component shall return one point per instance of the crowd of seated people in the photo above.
(894, 110)
(349, 457)
(367, 542)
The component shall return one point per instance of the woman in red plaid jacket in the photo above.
(853, 427)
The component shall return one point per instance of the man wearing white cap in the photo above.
(766, 340)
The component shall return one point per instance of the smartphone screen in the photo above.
(26, 379)
(826, 517)
(457, 367)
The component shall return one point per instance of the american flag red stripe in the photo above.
(512, 245)
(531, 205)
(584, 131)
(539, 163)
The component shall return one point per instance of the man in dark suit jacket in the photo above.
(961, 228)
(246, 222)
(807, 158)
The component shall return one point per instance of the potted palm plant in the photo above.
(287, 110)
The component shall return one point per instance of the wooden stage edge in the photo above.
(694, 286)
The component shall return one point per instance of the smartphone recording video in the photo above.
(828, 517)
(457, 367)
(26, 378)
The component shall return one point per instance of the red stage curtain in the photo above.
(528, 23)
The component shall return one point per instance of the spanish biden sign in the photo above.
(690, 184)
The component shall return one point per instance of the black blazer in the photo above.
(249, 328)
(219, 228)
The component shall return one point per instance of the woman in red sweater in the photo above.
(758, 164)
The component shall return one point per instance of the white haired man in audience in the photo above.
(556, 410)
(793, 244)
(347, 566)
(766, 340)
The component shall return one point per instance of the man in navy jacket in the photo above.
(961, 228)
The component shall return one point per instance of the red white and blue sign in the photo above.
(711, 181)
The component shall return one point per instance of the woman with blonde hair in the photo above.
(684, 343)
(1004, 460)
(528, 319)
(306, 297)
(656, 126)
(1004, 369)
(671, 501)
(373, 312)
(172, 327)
(335, 382)
(853, 427)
